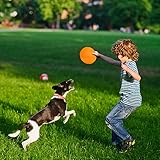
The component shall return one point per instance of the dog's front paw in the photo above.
(66, 120)
(74, 113)
(24, 146)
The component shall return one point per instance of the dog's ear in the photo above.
(55, 87)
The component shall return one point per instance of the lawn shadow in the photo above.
(71, 128)
(136, 125)
(8, 106)
(7, 126)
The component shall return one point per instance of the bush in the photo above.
(155, 28)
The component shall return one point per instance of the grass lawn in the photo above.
(25, 54)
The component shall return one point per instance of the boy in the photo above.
(130, 96)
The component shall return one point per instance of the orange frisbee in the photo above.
(87, 56)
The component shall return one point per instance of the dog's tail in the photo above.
(16, 134)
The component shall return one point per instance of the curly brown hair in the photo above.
(125, 47)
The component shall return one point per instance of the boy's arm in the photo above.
(107, 59)
(135, 75)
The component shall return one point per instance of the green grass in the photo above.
(25, 54)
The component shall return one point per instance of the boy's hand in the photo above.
(135, 75)
(124, 67)
(96, 53)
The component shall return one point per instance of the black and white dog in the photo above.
(52, 112)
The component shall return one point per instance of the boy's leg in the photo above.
(115, 138)
(114, 120)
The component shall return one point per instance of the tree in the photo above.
(155, 15)
(7, 8)
(127, 13)
(92, 15)
(53, 10)
(28, 12)
(154, 18)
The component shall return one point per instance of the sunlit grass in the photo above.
(24, 55)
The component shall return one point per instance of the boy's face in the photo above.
(122, 58)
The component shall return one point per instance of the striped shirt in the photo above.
(130, 88)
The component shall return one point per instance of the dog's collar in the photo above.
(58, 96)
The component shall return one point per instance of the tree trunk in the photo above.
(58, 22)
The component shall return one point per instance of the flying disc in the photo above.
(87, 56)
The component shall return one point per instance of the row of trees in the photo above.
(80, 14)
